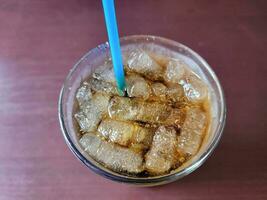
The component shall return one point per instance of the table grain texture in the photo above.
(40, 40)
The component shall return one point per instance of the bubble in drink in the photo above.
(157, 127)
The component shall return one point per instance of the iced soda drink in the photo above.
(158, 125)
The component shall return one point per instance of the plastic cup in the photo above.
(94, 58)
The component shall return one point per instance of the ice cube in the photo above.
(116, 131)
(194, 88)
(92, 111)
(137, 86)
(159, 90)
(142, 136)
(140, 62)
(103, 86)
(196, 120)
(114, 157)
(192, 131)
(83, 94)
(125, 133)
(176, 118)
(163, 154)
(154, 112)
(123, 108)
(156, 164)
(101, 101)
(189, 143)
(175, 93)
(175, 70)
(88, 120)
(105, 73)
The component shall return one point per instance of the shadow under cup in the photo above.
(165, 48)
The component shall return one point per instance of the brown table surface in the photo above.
(40, 40)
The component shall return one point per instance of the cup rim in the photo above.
(148, 180)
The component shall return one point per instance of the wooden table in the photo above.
(41, 40)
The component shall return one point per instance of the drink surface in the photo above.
(156, 127)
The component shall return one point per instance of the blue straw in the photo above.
(114, 43)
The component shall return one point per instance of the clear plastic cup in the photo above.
(165, 47)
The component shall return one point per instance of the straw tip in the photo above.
(121, 90)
